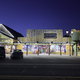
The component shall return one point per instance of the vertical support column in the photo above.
(11, 47)
(38, 50)
(27, 50)
(15, 46)
(49, 49)
(69, 50)
(76, 49)
(60, 49)
(72, 50)
(69, 46)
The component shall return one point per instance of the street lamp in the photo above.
(71, 32)
(67, 32)
(70, 43)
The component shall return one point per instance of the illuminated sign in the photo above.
(50, 35)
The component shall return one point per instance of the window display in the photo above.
(43, 49)
(64, 48)
(56, 48)
(32, 48)
(35, 49)
(24, 48)
(8, 48)
(13, 47)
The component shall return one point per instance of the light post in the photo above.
(69, 41)
(67, 32)
(69, 45)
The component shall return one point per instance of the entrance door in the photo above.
(43, 49)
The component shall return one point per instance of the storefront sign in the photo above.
(50, 35)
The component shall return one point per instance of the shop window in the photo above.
(8, 48)
(56, 48)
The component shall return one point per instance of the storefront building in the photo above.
(76, 41)
(40, 41)
(47, 41)
(8, 38)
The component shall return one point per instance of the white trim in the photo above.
(6, 31)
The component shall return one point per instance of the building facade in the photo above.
(48, 41)
(44, 36)
(40, 41)
(8, 37)
(76, 41)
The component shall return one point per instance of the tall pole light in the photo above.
(67, 32)
(70, 43)
(69, 46)
(71, 32)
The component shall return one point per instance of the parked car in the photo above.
(2, 52)
(17, 53)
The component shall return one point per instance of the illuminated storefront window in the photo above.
(35, 49)
(31, 48)
(24, 48)
(56, 48)
(63, 48)
(13, 47)
(8, 48)
(43, 49)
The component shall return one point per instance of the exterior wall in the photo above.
(22, 39)
(67, 49)
(3, 36)
(39, 36)
(76, 40)
(19, 46)
(74, 49)
(7, 42)
(5, 39)
(78, 50)
(76, 35)
(66, 39)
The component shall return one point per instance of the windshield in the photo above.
(17, 50)
(1, 48)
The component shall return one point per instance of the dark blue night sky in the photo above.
(21, 15)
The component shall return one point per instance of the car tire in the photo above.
(21, 56)
(11, 57)
(4, 56)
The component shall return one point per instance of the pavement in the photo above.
(41, 67)
(44, 54)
